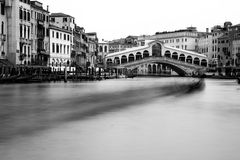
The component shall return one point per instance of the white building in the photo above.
(103, 50)
(186, 39)
(60, 47)
(3, 31)
(18, 32)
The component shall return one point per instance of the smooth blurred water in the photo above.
(130, 119)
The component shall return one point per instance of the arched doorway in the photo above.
(182, 57)
(168, 54)
(124, 59)
(131, 58)
(175, 55)
(189, 59)
(145, 54)
(138, 56)
(196, 61)
(109, 61)
(149, 68)
(116, 60)
(204, 63)
(157, 50)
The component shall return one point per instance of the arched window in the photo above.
(105, 49)
(189, 59)
(124, 59)
(138, 56)
(196, 61)
(204, 63)
(167, 54)
(100, 49)
(182, 57)
(131, 58)
(20, 13)
(175, 55)
(25, 15)
(157, 50)
(149, 68)
(145, 54)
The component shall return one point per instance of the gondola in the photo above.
(8, 78)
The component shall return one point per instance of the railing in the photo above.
(160, 59)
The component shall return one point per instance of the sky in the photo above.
(113, 19)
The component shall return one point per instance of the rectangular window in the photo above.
(53, 48)
(52, 34)
(64, 19)
(57, 35)
(2, 8)
(57, 48)
(64, 36)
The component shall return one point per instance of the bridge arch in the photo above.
(145, 54)
(204, 63)
(182, 58)
(138, 56)
(168, 54)
(196, 61)
(130, 58)
(175, 55)
(123, 59)
(189, 59)
(157, 50)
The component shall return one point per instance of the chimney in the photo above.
(207, 30)
(48, 8)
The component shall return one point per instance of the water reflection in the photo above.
(143, 119)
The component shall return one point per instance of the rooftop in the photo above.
(59, 15)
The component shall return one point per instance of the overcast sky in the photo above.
(113, 19)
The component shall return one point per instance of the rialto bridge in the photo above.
(155, 57)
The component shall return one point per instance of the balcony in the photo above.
(40, 22)
(3, 37)
(25, 41)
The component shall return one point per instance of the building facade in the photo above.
(40, 34)
(186, 39)
(3, 31)
(60, 47)
(92, 49)
(80, 47)
(61, 39)
(18, 32)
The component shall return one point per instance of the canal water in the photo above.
(124, 119)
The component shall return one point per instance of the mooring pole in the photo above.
(65, 75)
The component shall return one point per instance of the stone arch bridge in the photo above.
(155, 56)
